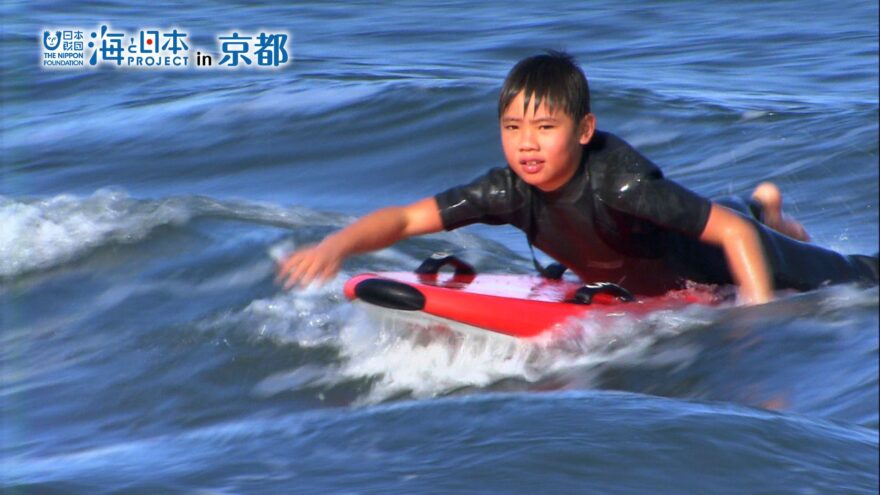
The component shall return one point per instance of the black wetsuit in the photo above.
(619, 220)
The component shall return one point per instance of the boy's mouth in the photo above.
(531, 166)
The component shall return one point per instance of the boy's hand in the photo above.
(377, 230)
(744, 252)
(317, 262)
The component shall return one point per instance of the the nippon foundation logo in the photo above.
(148, 48)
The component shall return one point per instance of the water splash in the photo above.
(406, 354)
(41, 234)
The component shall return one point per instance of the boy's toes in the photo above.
(769, 196)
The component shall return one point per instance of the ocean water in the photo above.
(144, 347)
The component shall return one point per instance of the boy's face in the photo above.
(543, 148)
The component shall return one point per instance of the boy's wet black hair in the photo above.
(554, 78)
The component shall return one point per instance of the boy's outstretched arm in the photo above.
(745, 255)
(377, 230)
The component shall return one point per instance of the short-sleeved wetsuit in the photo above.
(619, 220)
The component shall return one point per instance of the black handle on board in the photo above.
(585, 294)
(432, 265)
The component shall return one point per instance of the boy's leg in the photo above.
(795, 264)
(771, 201)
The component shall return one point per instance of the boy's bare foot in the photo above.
(771, 199)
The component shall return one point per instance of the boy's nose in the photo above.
(527, 140)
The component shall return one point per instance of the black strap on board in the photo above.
(585, 294)
(432, 265)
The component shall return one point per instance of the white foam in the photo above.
(40, 234)
(306, 316)
(411, 354)
(846, 297)
(750, 115)
(299, 378)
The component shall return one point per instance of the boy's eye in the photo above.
(545, 127)
(511, 127)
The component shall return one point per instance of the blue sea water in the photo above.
(144, 347)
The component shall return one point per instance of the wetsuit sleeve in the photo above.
(492, 199)
(632, 184)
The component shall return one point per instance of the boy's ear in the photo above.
(586, 128)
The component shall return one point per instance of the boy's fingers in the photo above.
(286, 266)
(296, 276)
(311, 272)
(305, 272)
(304, 267)
(294, 258)
(292, 276)
(289, 276)
(301, 268)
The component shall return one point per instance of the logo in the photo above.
(160, 49)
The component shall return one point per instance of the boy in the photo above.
(593, 203)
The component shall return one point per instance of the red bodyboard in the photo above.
(516, 305)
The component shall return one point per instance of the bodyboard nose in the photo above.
(390, 294)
